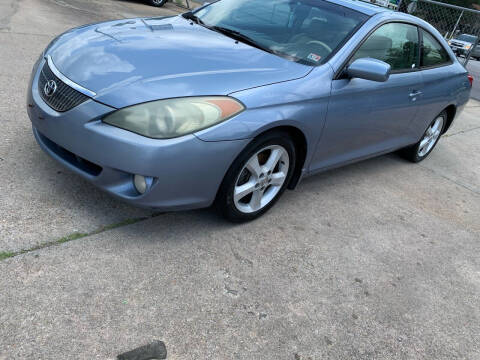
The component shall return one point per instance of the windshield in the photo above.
(306, 31)
(467, 38)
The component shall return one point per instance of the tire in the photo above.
(264, 186)
(157, 3)
(419, 151)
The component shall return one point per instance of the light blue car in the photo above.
(237, 101)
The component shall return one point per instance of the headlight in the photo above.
(165, 119)
(468, 46)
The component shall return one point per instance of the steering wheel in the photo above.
(321, 43)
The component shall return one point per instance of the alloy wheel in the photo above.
(261, 179)
(431, 136)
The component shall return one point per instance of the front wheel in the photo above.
(157, 3)
(424, 147)
(257, 177)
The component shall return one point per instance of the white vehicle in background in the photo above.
(463, 43)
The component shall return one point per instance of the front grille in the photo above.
(456, 44)
(64, 98)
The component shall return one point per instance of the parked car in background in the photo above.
(157, 3)
(237, 101)
(463, 43)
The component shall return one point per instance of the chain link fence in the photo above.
(460, 26)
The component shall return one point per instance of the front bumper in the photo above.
(458, 50)
(187, 171)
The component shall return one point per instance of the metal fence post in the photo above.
(456, 25)
(467, 56)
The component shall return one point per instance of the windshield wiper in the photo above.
(234, 34)
(191, 16)
(237, 35)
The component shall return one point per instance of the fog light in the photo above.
(141, 183)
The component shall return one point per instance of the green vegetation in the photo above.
(5, 255)
(71, 237)
(76, 235)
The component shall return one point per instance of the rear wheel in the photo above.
(157, 3)
(257, 177)
(424, 147)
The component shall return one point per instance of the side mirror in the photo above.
(369, 69)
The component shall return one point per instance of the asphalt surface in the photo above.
(378, 260)
(473, 67)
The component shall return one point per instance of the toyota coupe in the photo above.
(233, 103)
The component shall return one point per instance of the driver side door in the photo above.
(364, 117)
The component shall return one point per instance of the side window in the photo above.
(394, 43)
(433, 53)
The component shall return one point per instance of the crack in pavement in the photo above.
(77, 235)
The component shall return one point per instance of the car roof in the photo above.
(360, 6)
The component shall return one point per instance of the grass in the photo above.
(122, 223)
(75, 236)
(5, 255)
(71, 237)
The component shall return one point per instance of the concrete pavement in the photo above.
(44, 201)
(377, 260)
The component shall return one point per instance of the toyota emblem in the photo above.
(50, 88)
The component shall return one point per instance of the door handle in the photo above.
(413, 95)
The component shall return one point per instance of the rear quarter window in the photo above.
(433, 53)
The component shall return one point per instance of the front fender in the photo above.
(300, 103)
(252, 123)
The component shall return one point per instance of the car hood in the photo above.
(132, 61)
